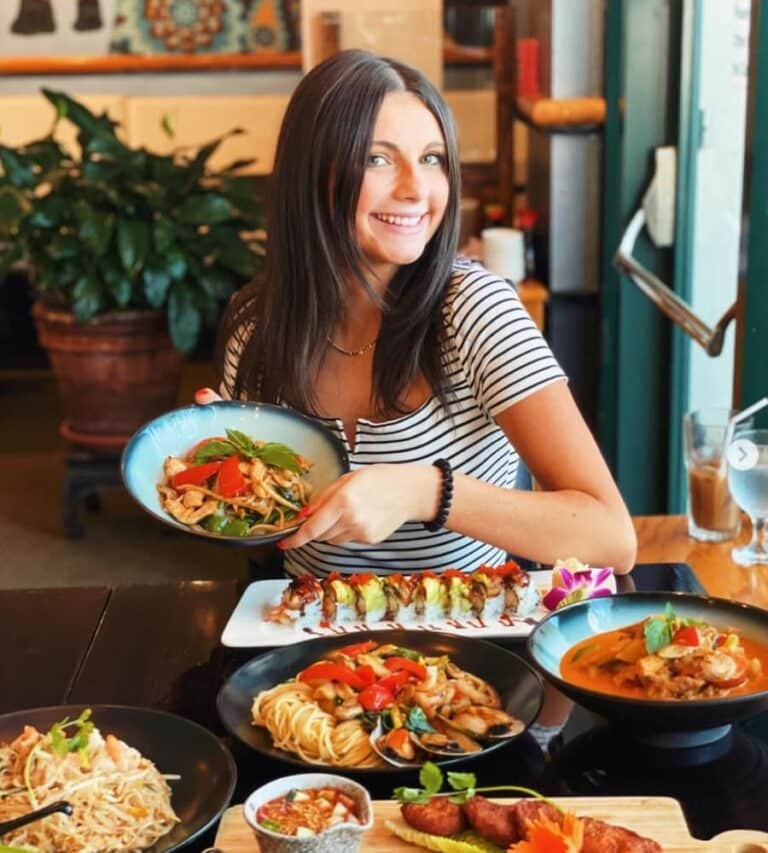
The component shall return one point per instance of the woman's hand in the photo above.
(368, 505)
(203, 396)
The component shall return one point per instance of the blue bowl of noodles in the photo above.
(287, 459)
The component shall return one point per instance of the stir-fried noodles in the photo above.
(119, 799)
(236, 486)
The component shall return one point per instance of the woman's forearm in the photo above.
(544, 526)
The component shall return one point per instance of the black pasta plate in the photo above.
(519, 685)
(175, 745)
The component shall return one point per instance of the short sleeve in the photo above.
(232, 353)
(503, 355)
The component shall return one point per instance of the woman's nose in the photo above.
(410, 182)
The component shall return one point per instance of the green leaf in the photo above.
(120, 285)
(213, 449)
(279, 455)
(17, 170)
(234, 254)
(176, 263)
(51, 212)
(166, 123)
(183, 318)
(163, 234)
(461, 781)
(243, 443)
(410, 795)
(132, 244)
(417, 721)
(205, 209)
(61, 744)
(87, 298)
(64, 246)
(431, 777)
(657, 634)
(13, 207)
(156, 284)
(95, 226)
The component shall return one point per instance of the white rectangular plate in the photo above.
(247, 627)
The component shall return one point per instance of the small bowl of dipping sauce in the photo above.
(309, 813)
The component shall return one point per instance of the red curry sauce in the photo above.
(307, 811)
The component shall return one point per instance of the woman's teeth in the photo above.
(407, 221)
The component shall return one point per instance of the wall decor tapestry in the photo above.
(150, 28)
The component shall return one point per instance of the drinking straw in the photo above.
(737, 418)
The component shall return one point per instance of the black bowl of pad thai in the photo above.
(232, 471)
(136, 778)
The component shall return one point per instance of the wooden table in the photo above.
(664, 538)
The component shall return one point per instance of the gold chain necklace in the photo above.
(353, 352)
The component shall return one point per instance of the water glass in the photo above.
(748, 482)
(712, 514)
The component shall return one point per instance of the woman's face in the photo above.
(405, 186)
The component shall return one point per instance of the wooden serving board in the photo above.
(660, 818)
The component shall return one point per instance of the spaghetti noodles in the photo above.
(299, 725)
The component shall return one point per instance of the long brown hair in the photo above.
(312, 248)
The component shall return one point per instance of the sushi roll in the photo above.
(487, 596)
(520, 594)
(399, 593)
(301, 602)
(459, 592)
(370, 601)
(339, 600)
(430, 597)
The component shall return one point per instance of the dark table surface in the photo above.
(158, 646)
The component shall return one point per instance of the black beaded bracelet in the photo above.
(446, 496)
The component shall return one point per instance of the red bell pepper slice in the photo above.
(366, 674)
(375, 698)
(230, 482)
(686, 636)
(327, 671)
(358, 648)
(196, 475)
(394, 682)
(412, 667)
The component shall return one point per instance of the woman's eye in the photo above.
(434, 159)
(377, 160)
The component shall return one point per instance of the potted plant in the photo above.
(130, 254)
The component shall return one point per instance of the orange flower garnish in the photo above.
(546, 836)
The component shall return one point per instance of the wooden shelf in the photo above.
(117, 63)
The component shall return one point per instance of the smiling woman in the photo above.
(426, 366)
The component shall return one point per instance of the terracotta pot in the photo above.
(114, 373)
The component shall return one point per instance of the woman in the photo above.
(428, 368)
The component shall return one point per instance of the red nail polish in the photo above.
(281, 545)
(304, 512)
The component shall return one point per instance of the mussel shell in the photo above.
(465, 744)
(498, 731)
(374, 737)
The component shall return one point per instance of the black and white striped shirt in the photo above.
(496, 357)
